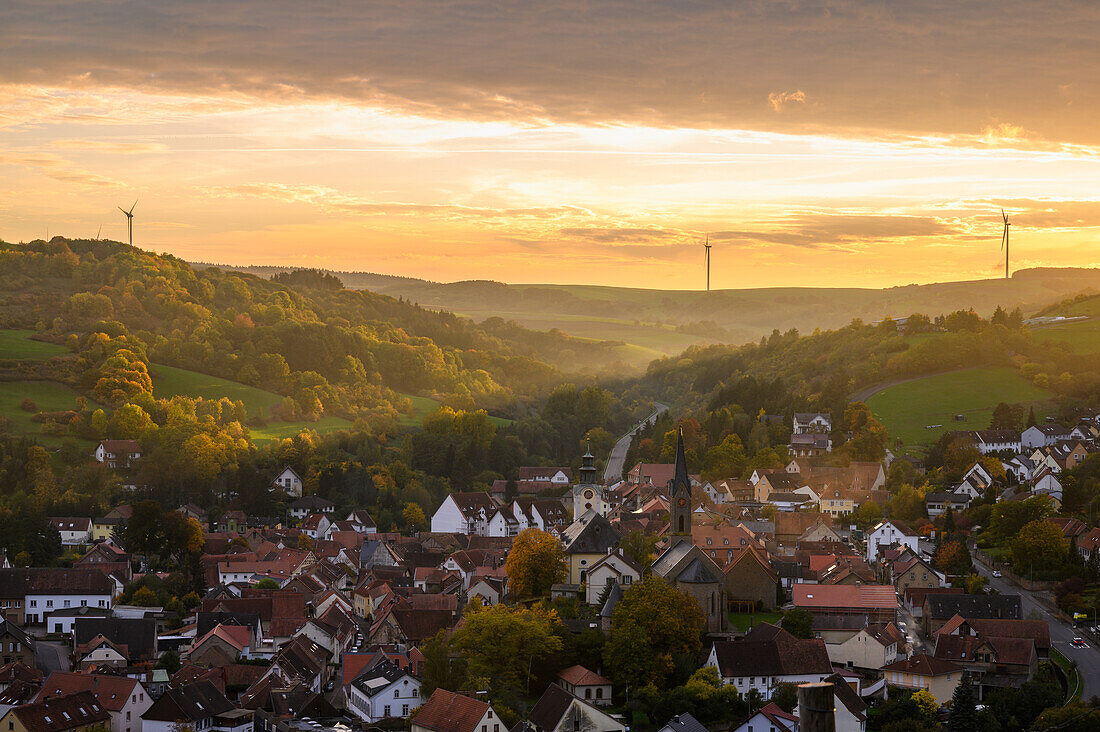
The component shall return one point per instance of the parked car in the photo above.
(1079, 643)
(996, 573)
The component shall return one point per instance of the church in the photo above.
(684, 565)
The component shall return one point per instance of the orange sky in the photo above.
(819, 143)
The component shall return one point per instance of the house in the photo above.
(776, 482)
(125, 699)
(383, 691)
(612, 568)
(74, 530)
(769, 718)
(559, 711)
(558, 476)
(1036, 631)
(1087, 543)
(992, 662)
(464, 513)
(446, 711)
(118, 454)
(29, 595)
(316, 526)
(138, 636)
(1019, 467)
(870, 648)
(289, 482)
(489, 590)
(766, 657)
(924, 672)
(941, 607)
(937, 502)
(586, 541)
(362, 522)
(306, 505)
(987, 441)
(915, 572)
(78, 712)
(222, 645)
(889, 533)
(16, 646)
(812, 423)
(1043, 435)
(658, 475)
(585, 684)
(809, 445)
(877, 603)
(195, 705)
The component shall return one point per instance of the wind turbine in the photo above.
(1004, 240)
(129, 221)
(100, 231)
(706, 256)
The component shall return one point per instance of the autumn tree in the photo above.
(641, 547)
(952, 557)
(1039, 543)
(414, 516)
(502, 644)
(535, 563)
(661, 624)
(868, 436)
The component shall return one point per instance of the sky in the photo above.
(816, 143)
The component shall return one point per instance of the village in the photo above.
(318, 620)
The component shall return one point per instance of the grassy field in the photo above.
(1083, 336)
(48, 396)
(907, 409)
(169, 381)
(282, 430)
(744, 621)
(18, 344)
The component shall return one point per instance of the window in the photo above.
(599, 692)
(386, 711)
(49, 603)
(588, 693)
(396, 693)
(404, 710)
(490, 714)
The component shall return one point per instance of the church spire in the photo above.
(680, 493)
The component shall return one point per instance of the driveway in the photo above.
(50, 657)
(613, 470)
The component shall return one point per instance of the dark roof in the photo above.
(121, 447)
(446, 711)
(592, 533)
(41, 580)
(945, 606)
(206, 622)
(684, 723)
(309, 502)
(923, 665)
(697, 573)
(188, 703)
(550, 708)
(62, 712)
(771, 651)
(139, 635)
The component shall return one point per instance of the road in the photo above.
(1087, 659)
(50, 657)
(613, 471)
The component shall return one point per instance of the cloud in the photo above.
(908, 68)
(57, 168)
(839, 231)
(111, 147)
(621, 235)
(779, 99)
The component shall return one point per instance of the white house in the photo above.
(806, 423)
(988, 441)
(769, 718)
(766, 657)
(503, 523)
(306, 505)
(57, 589)
(74, 530)
(978, 476)
(289, 481)
(196, 705)
(614, 568)
(1043, 435)
(889, 532)
(464, 513)
(1048, 484)
(316, 526)
(362, 522)
(1020, 467)
(118, 453)
(384, 691)
(439, 714)
(556, 475)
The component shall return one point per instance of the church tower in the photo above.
(588, 494)
(679, 494)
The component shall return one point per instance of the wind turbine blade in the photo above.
(133, 207)
(120, 208)
(1004, 215)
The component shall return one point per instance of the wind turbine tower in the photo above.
(129, 221)
(1004, 240)
(706, 255)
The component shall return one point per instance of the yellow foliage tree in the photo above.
(535, 563)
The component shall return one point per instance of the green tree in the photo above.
(798, 622)
(641, 546)
(1039, 543)
(964, 707)
(1007, 417)
(535, 563)
(727, 459)
(503, 644)
(144, 597)
(661, 623)
(266, 584)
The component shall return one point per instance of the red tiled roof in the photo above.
(112, 691)
(580, 676)
(878, 597)
(923, 665)
(446, 711)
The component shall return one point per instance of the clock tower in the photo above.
(679, 494)
(588, 494)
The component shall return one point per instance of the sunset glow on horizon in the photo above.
(536, 147)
